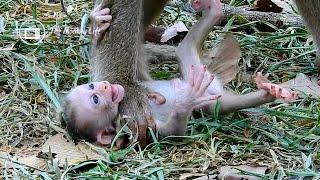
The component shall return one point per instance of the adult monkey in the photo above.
(120, 59)
(309, 10)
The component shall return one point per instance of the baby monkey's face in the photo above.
(97, 95)
(96, 105)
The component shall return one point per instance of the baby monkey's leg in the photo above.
(188, 49)
(268, 92)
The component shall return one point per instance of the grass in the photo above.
(285, 138)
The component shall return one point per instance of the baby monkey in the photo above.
(89, 107)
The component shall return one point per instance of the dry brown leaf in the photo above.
(266, 6)
(2, 94)
(33, 161)
(64, 149)
(49, 7)
(153, 34)
(185, 176)
(304, 84)
(30, 161)
(40, 99)
(232, 172)
(303, 122)
(286, 5)
(173, 30)
(223, 59)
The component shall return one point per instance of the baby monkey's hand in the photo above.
(101, 20)
(275, 90)
(191, 94)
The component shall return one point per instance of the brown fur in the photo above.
(309, 10)
(152, 9)
(120, 58)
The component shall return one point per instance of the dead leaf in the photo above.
(286, 5)
(28, 160)
(185, 176)
(266, 6)
(49, 7)
(2, 94)
(33, 161)
(303, 122)
(304, 84)
(64, 149)
(173, 30)
(153, 34)
(223, 59)
(40, 99)
(232, 172)
(247, 132)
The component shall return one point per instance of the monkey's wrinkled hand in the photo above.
(274, 89)
(191, 93)
(101, 20)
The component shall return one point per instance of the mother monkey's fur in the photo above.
(119, 59)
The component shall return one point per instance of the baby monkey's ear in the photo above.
(105, 136)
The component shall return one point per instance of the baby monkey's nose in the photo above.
(105, 85)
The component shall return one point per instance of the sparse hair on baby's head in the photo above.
(70, 118)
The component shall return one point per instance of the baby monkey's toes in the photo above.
(278, 92)
(274, 90)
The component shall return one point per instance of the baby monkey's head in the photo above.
(90, 111)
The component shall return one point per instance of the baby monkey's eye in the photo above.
(91, 86)
(95, 99)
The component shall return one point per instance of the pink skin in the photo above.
(201, 5)
(94, 102)
(191, 94)
(274, 89)
(101, 20)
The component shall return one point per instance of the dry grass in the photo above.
(283, 137)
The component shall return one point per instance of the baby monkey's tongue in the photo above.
(114, 92)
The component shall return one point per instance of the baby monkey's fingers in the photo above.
(200, 78)
(205, 83)
(191, 76)
(104, 27)
(206, 100)
(103, 12)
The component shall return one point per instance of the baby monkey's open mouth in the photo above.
(114, 92)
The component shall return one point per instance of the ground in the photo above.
(282, 137)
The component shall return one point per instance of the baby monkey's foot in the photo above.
(101, 20)
(275, 90)
(204, 5)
